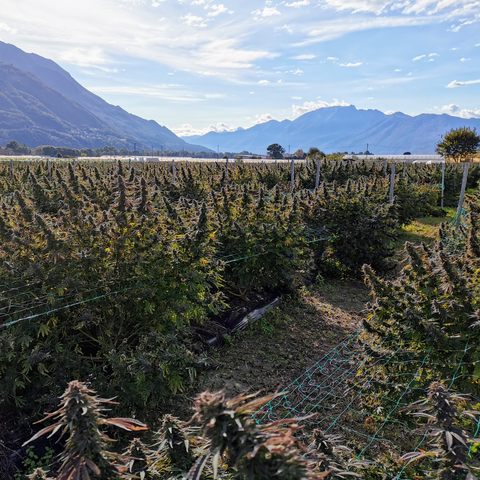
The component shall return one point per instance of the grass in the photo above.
(423, 229)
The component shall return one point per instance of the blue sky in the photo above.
(201, 65)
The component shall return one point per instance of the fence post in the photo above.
(173, 170)
(48, 167)
(392, 183)
(443, 183)
(11, 166)
(293, 175)
(317, 179)
(462, 195)
(276, 164)
(404, 169)
(226, 168)
(385, 168)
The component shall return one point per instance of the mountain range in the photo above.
(342, 129)
(41, 104)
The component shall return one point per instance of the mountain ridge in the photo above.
(343, 128)
(125, 127)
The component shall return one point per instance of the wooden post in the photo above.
(317, 179)
(392, 183)
(11, 166)
(385, 168)
(462, 195)
(442, 186)
(404, 169)
(275, 164)
(263, 165)
(293, 175)
(226, 168)
(173, 170)
(130, 163)
(48, 167)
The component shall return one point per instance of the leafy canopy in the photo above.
(275, 150)
(459, 144)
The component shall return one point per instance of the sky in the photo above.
(202, 65)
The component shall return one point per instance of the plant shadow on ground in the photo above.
(271, 353)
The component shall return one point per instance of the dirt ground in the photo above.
(271, 353)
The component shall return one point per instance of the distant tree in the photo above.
(275, 150)
(299, 153)
(13, 145)
(314, 152)
(459, 144)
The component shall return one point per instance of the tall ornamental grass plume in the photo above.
(251, 451)
(80, 415)
(449, 440)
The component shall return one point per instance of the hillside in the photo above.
(124, 128)
(339, 129)
(33, 113)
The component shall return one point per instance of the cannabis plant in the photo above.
(80, 415)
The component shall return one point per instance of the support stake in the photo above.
(317, 179)
(462, 195)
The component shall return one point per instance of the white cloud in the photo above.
(456, 84)
(398, 69)
(93, 57)
(263, 82)
(433, 54)
(217, 10)
(456, 111)
(193, 20)
(351, 64)
(266, 12)
(311, 106)
(300, 3)
(156, 3)
(419, 58)
(263, 118)
(465, 59)
(304, 57)
(454, 48)
(296, 98)
(186, 130)
(297, 72)
(477, 45)
(173, 92)
(333, 59)
(286, 27)
(389, 112)
(5, 28)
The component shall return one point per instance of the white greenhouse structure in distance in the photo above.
(397, 158)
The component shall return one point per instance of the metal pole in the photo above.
(48, 166)
(392, 183)
(226, 168)
(263, 165)
(275, 164)
(293, 174)
(462, 195)
(385, 168)
(442, 186)
(317, 179)
(404, 169)
(173, 170)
